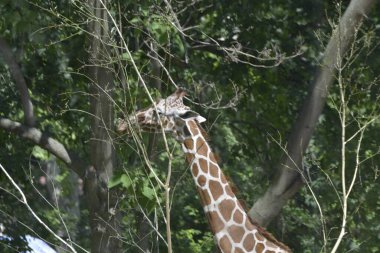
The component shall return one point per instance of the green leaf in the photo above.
(126, 56)
(148, 192)
(124, 180)
(40, 153)
(114, 181)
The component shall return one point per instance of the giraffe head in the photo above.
(169, 113)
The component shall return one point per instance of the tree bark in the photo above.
(15, 70)
(288, 179)
(104, 217)
(46, 142)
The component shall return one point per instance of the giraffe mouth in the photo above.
(122, 126)
(132, 121)
(125, 126)
(128, 126)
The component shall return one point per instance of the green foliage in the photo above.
(139, 186)
(194, 241)
(52, 51)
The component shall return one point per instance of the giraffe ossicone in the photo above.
(232, 229)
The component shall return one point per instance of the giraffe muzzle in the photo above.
(121, 126)
(125, 126)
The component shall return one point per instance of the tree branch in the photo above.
(46, 142)
(15, 70)
(24, 201)
(288, 179)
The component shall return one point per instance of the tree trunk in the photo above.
(104, 218)
(68, 203)
(288, 179)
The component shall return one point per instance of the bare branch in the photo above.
(35, 216)
(288, 180)
(46, 142)
(15, 70)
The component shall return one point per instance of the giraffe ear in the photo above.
(192, 115)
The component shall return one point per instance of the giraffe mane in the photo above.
(203, 131)
(269, 236)
(235, 190)
(242, 202)
(261, 230)
(207, 139)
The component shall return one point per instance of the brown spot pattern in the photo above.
(214, 171)
(215, 188)
(189, 157)
(193, 128)
(202, 180)
(203, 165)
(195, 170)
(201, 147)
(238, 217)
(205, 196)
(216, 223)
(239, 250)
(226, 207)
(236, 233)
(223, 179)
(259, 237)
(249, 225)
(140, 118)
(259, 247)
(225, 244)
(228, 191)
(249, 242)
(189, 144)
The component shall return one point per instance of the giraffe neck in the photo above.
(230, 225)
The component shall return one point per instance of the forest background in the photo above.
(289, 89)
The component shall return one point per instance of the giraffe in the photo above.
(232, 228)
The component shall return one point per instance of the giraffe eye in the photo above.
(157, 112)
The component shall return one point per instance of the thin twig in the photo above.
(24, 201)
